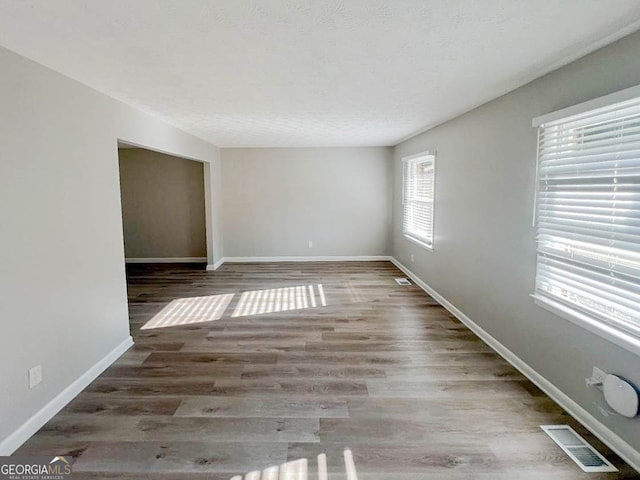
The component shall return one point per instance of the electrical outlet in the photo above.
(412, 258)
(310, 244)
(35, 376)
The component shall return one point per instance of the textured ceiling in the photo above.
(308, 73)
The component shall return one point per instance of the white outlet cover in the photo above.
(35, 376)
(621, 396)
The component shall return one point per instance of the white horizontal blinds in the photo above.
(588, 211)
(418, 199)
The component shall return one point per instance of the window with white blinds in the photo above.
(417, 198)
(588, 215)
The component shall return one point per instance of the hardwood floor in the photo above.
(254, 365)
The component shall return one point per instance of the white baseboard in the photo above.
(167, 260)
(613, 440)
(337, 258)
(31, 426)
(215, 266)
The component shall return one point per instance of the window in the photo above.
(588, 216)
(417, 198)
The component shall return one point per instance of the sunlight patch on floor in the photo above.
(257, 302)
(299, 470)
(185, 311)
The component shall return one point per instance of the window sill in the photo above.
(612, 334)
(418, 242)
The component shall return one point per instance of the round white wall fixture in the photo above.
(621, 395)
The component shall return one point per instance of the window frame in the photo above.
(422, 157)
(604, 329)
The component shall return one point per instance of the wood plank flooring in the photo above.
(258, 364)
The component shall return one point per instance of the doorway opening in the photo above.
(163, 207)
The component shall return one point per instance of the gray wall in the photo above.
(484, 251)
(63, 300)
(277, 199)
(162, 205)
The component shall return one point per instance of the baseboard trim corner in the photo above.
(325, 258)
(216, 265)
(46, 413)
(613, 440)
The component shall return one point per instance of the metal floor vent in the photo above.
(402, 281)
(587, 457)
